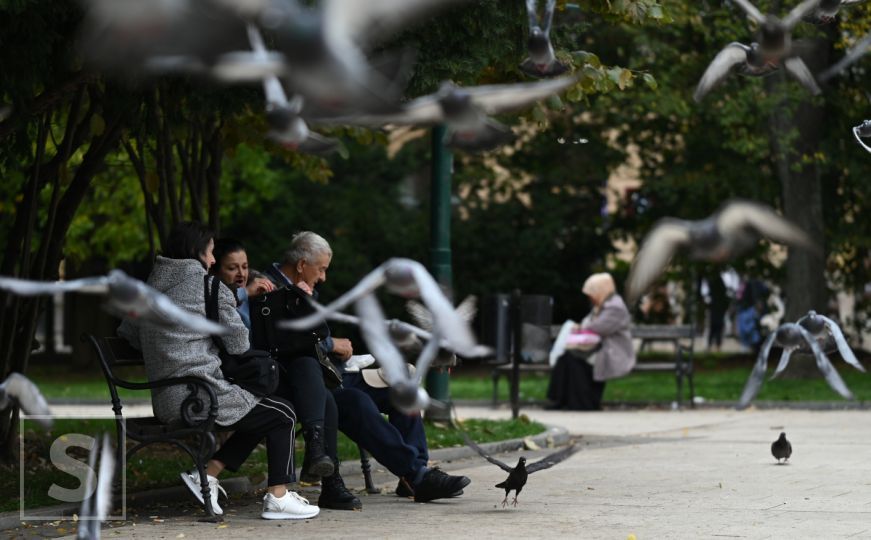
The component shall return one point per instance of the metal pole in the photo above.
(438, 380)
(516, 346)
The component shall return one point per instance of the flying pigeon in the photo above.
(18, 390)
(287, 127)
(732, 230)
(827, 10)
(98, 502)
(465, 111)
(790, 336)
(856, 52)
(863, 131)
(541, 61)
(821, 327)
(409, 279)
(781, 448)
(743, 58)
(326, 50)
(126, 297)
(773, 47)
(518, 474)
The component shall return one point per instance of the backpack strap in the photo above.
(212, 312)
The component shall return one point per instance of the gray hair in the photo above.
(306, 246)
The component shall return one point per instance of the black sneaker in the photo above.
(404, 489)
(335, 496)
(436, 484)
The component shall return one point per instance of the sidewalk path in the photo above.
(654, 474)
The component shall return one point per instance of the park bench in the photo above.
(115, 353)
(195, 437)
(682, 366)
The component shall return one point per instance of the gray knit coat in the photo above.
(177, 352)
(617, 355)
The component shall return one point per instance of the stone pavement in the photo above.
(654, 474)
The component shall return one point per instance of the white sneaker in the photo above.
(291, 506)
(192, 480)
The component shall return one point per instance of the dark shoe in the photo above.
(404, 489)
(335, 495)
(316, 462)
(436, 484)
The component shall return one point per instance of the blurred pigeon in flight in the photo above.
(287, 128)
(541, 61)
(822, 327)
(466, 111)
(160, 35)
(518, 475)
(827, 10)
(326, 50)
(743, 58)
(126, 297)
(98, 498)
(781, 448)
(733, 229)
(790, 336)
(774, 45)
(18, 390)
(856, 52)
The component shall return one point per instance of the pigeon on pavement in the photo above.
(781, 448)
(518, 474)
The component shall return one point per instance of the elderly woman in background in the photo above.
(578, 379)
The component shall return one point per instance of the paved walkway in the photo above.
(654, 474)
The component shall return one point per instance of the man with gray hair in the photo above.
(398, 443)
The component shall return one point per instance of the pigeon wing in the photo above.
(532, 13)
(471, 444)
(365, 22)
(374, 330)
(550, 460)
(732, 54)
(751, 10)
(757, 376)
(103, 501)
(841, 342)
(421, 111)
(784, 361)
(825, 366)
(497, 98)
(739, 214)
(27, 396)
(365, 286)
(468, 308)
(803, 9)
(26, 287)
(455, 330)
(798, 69)
(422, 317)
(159, 309)
(427, 355)
(856, 52)
(656, 251)
(548, 16)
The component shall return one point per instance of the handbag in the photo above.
(286, 345)
(254, 370)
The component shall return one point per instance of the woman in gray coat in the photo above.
(578, 380)
(178, 352)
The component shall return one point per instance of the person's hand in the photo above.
(305, 287)
(342, 348)
(259, 286)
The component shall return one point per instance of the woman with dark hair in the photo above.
(231, 266)
(178, 352)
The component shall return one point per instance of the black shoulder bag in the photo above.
(286, 345)
(254, 370)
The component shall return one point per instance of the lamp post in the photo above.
(438, 379)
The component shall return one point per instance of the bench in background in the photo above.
(682, 366)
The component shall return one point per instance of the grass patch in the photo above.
(159, 465)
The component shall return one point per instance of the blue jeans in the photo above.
(399, 443)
